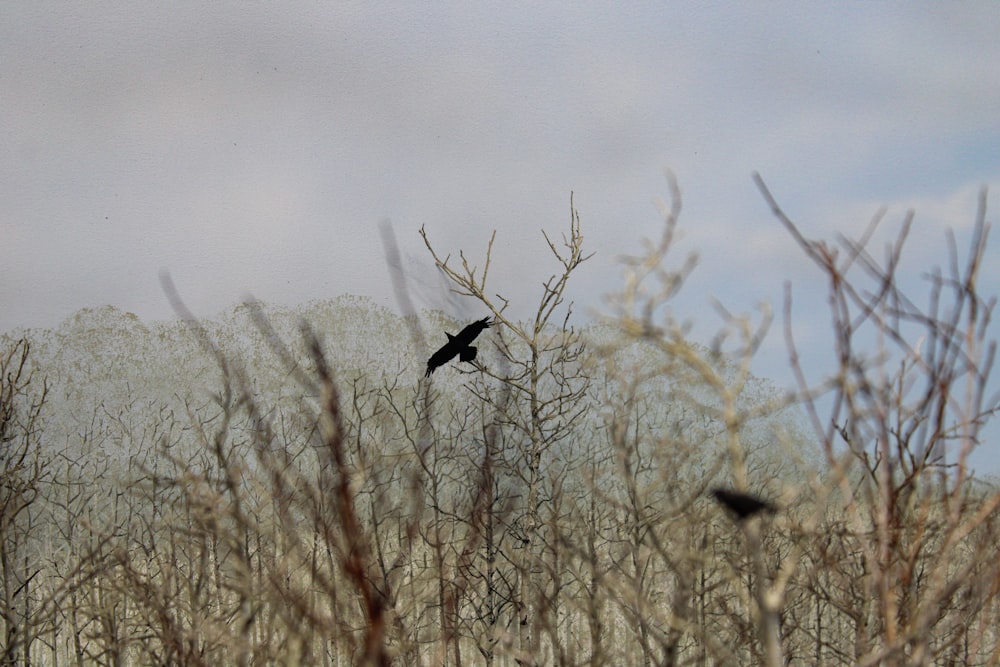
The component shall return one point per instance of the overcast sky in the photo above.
(253, 148)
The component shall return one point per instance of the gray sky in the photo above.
(254, 147)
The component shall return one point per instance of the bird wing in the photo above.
(469, 333)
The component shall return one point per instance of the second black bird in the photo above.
(743, 505)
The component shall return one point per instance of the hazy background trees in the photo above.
(282, 486)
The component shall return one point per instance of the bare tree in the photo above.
(21, 474)
(542, 374)
(897, 424)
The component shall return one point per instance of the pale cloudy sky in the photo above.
(253, 148)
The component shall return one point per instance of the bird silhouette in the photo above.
(742, 505)
(460, 345)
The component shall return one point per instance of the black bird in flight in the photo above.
(743, 505)
(460, 345)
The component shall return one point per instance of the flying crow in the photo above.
(460, 345)
(742, 505)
